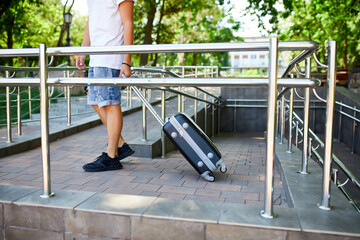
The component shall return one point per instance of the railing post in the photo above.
(29, 90)
(235, 102)
(196, 95)
(219, 116)
(18, 107)
(44, 118)
(305, 154)
(163, 113)
(213, 119)
(182, 98)
(8, 111)
(144, 126)
(68, 91)
(291, 109)
(271, 122)
(340, 122)
(353, 133)
(206, 111)
(282, 119)
(297, 134)
(330, 106)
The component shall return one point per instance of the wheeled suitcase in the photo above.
(190, 140)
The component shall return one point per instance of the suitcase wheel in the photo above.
(223, 169)
(206, 175)
(209, 178)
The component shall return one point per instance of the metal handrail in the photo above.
(308, 47)
(225, 82)
(273, 46)
(336, 159)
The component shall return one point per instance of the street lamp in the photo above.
(68, 19)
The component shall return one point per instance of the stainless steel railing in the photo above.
(272, 82)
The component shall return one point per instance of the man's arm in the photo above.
(80, 59)
(127, 17)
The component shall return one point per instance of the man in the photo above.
(110, 23)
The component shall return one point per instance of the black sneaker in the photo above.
(124, 151)
(103, 163)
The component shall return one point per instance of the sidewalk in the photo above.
(169, 177)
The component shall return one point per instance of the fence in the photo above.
(273, 82)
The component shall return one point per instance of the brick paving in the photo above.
(169, 177)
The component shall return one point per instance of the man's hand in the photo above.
(80, 62)
(125, 69)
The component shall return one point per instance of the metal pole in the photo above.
(297, 134)
(213, 119)
(277, 119)
(330, 106)
(195, 105)
(144, 126)
(235, 117)
(196, 95)
(163, 112)
(8, 111)
(340, 121)
(205, 125)
(291, 109)
(29, 90)
(219, 118)
(305, 152)
(44, 119)
(282, 119)
(68, 91)
(353, 133)
(130, 95)
(271, 122)
(19, 112)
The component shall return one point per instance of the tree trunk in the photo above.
(158, 30)
(10, 40)
(148, 30)
(194, 59)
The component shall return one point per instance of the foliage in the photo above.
(175, 21)
(317, 20)
(26, 23)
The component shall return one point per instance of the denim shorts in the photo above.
(103, 95)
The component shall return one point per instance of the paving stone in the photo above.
(169, 177)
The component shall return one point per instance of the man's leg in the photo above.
(114, 127)
(102, 112)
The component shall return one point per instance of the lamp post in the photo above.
(67, 19)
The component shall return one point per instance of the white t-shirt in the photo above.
(105, 29)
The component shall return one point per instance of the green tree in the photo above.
(26, 23)
(174, 21)
(317, 20)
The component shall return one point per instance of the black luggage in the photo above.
(190, 140)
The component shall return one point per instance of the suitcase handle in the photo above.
(147, 104)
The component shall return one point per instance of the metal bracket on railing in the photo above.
(12, 75)
(302, 98)
(51, 91)
(342, 184)
(298, 70)
(317, 96)
(13, 91)
(51, 60)
(315, 148)
(318, 62)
